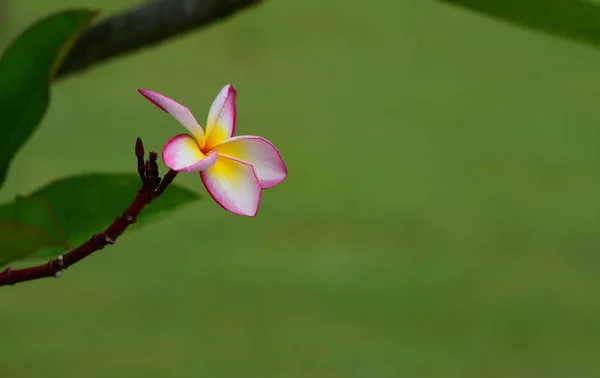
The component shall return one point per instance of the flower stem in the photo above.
(152, 187)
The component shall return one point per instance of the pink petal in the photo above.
(233, 185)
(221, 117)
(178, 111)
(258, 152)
(182, 154)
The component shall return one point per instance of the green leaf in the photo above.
(26, 71)
(573, 19)
(18, 241)
(38, 213)
(27, 225)
(80, 206)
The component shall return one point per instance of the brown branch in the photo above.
(143, 26)
(152, 188)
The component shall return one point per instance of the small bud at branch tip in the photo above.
(139, 147)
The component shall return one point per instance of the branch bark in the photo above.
(152, 187)
(143, 26)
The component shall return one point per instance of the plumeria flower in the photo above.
(234, 169)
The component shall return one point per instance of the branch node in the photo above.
(108, 239)
(100, 240)
(60, 260)
(57, 265)
(129, 218)
(7, 274)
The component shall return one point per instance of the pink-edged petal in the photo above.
(258, 152)
(182, 154)
(233, 185)
(221, 117)
(178, 111)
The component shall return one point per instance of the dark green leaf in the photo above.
(26, 70)
(80, 206)
(574, 19)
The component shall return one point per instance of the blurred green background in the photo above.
(441, 217)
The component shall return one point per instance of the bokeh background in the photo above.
(441, 217)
